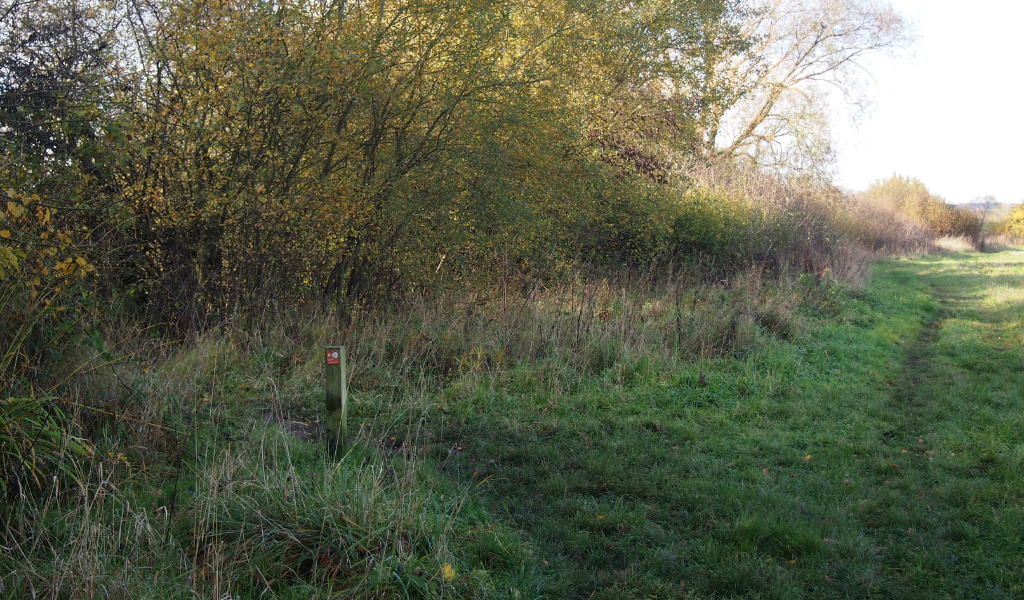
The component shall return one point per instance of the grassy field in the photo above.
(871, 448)
(878, 455)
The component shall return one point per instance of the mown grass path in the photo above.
(878, 454)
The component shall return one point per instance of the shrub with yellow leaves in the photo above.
(40, 268)
(40, 273)
(1013, 225)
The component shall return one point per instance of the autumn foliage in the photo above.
(1013, 224)
(912, 201)
(190, 163)
(239, 156)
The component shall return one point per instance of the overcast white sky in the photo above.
(951, 114)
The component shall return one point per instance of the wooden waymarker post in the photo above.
(337, 401)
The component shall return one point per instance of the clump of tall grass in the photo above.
(959, 243)
(35, 442)
(576, 330)
(1000, 242)
(258, 517)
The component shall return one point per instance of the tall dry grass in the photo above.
(957, 243)
(1001, 241)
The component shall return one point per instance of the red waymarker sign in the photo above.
(332, 357)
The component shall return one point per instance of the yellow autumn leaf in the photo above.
(5, 233)
(448, 571)
(807, 458)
